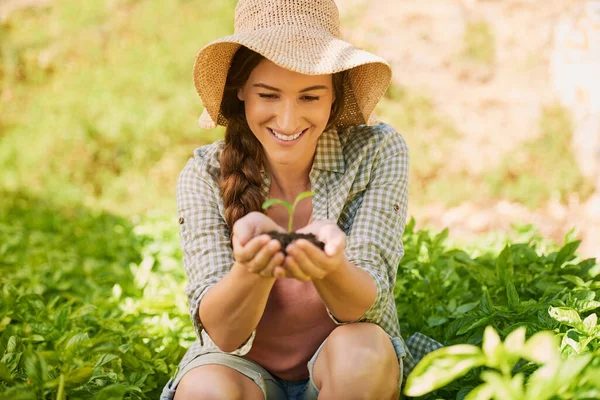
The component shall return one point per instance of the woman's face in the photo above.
(287, 111)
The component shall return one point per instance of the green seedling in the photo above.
(288, 206)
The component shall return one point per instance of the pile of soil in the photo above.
(287, 238)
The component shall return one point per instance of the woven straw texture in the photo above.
(299, 35)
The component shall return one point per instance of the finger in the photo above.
(275, 262)
(306, 264)
(246, 253)
(294, 269)
(312, 252)
(280, 272)
(253, 224)
(334, 239)
(264, 255)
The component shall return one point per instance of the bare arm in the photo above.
(347, 292)
(232, 308)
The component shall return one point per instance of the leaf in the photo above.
(479, 323)
(78, 376)
(481, 392)
(464, 308)
(14, 344)
(542, 348)
(589, 324)
(513, 296)
(504, 265)
(587, 305)
(436, 320)
(441, 367)
(503, 387)
(5, 373)
(35, 367)
(115, 391)
(566, 253)
(486, 302)
(565, 315)
(574, 280)
(492, 347)
(77, 339)
(105, 359)
(515, 341)
(272, 202)
(301, 196)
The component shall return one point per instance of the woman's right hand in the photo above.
(256, 250)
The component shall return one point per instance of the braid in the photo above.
(243, 156)
(241, 178)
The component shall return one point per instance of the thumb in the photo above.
(335, 245)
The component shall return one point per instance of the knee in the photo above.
(361, 363)
(364, 348)
(209, 383)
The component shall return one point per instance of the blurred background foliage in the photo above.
(98, 107)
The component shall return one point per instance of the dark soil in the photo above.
(287, 238)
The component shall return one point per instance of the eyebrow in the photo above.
(308, 89)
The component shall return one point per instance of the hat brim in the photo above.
(307, 51)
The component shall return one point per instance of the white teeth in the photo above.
(285, 137)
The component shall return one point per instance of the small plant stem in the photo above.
(61, 388)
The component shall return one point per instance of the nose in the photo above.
(288, 118)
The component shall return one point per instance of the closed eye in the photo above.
(267, 96)
(311, 98)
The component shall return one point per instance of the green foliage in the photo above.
(542, 375)
(452, 296)
(289, 207)
(90, 304)
(108, 90)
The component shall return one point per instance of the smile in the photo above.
(287, 138)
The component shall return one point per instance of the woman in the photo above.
(298, 113)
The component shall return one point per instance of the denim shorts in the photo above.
(272, 387)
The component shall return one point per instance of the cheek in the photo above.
(320, 115)
(256, 112)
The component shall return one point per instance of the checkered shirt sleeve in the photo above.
(375, 240)
(204, 235)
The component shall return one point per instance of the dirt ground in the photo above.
(495, 106)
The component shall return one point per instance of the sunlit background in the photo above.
(499, 102)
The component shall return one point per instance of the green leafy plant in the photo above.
(289, 207)
(552, 375)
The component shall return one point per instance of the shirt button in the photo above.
(396, 207)
(180, 220)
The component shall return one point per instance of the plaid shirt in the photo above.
(359, 178)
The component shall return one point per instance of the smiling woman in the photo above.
(270, 110)
(304, 321)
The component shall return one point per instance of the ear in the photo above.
(240, 94)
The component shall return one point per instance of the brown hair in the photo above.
(243, 155)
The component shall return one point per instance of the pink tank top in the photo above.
(292, 328)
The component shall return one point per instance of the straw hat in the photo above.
(299, 35)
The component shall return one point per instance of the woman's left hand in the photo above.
(306, 262)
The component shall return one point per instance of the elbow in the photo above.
(226, 343)
(229, 346)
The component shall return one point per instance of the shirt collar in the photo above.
(329, 155)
